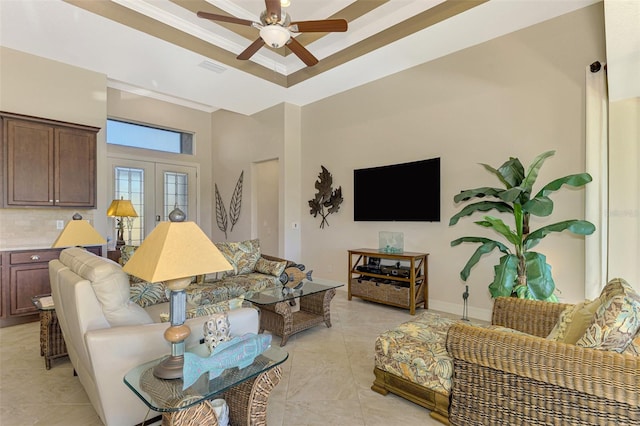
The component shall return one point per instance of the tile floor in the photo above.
(326, 379)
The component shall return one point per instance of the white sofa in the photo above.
(107, 335)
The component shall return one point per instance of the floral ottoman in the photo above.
(412, 361)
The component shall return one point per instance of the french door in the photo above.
(155, 189)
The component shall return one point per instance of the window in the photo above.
(147, 137)
(176, 193)
(129, 185)
(154, 188)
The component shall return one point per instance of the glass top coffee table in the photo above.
(239, 387)
(279, 311)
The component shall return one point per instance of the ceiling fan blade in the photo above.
(324, 26)
(301, 52)
(273, 8)
(224, 18)
(252, 49)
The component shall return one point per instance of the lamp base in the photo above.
(170, 368)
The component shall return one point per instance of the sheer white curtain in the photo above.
(596, 193)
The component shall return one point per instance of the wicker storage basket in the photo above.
(394, 294)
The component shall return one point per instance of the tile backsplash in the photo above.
(34, 228)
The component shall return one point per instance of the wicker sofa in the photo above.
(509, 378)
(252, 271)
(513, 371)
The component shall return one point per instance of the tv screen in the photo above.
(407, 192)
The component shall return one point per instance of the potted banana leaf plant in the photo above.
(521, 271)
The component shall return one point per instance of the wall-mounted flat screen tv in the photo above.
(406, 192)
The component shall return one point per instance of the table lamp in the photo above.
(78, 233)
(122, 209)
(175, 252)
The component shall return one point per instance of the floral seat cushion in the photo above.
(416, 351)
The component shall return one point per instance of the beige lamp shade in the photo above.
(175, 250)
(78, 232)
(121, 208)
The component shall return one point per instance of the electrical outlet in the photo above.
(59, 224)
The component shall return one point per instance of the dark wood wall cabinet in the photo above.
(47, 163)
(24, 274)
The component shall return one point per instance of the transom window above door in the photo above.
(148, 137)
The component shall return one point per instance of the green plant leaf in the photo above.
(481, 206)
(539, 279)
(553, 298)
(512, 172)
(497, 173)
(512, 194)
(539, 206)
(576, 181)
(580, 227)
(518, 217)
(468, 194)
(534, 169)
(486, 246)
(506, 273)
(522, 291)
(500, 227)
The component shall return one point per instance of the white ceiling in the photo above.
(137, 43)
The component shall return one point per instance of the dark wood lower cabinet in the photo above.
(24, 274)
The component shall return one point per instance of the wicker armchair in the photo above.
(507, 379)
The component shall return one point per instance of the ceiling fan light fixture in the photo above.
(275, 35)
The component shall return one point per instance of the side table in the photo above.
(52, 343)
(245, 390)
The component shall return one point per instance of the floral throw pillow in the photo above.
(616, 321)
(560, 329)
(126, 252)
(270, 267)
(243, 256)
(147, 294)
(634, 347)
(573, 322)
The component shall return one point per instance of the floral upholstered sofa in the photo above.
(537, 363)
(252, 271)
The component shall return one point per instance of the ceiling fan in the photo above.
(276, 30)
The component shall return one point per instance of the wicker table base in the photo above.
(52, 344)
(280, 320)
(247, 404)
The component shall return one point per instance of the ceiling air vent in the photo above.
(212, 66)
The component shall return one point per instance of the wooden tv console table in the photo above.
(392, 288)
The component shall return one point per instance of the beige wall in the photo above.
(518, 95)
(265, 205)
(39, 87)
(240, 142)
(624, 190)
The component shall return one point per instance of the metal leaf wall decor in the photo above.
(221, 213)
(236, 202)
(234, 207)
(327, 200)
